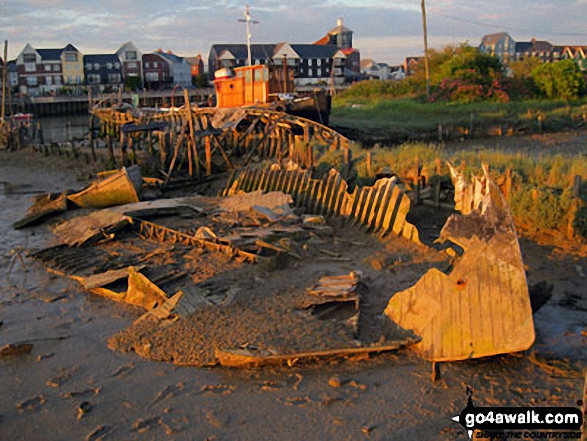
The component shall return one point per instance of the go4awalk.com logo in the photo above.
(520, 422)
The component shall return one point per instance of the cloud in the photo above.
(385, 30)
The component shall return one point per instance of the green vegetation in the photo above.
(541, 194)
(402, 119)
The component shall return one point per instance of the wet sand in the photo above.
(385, 397)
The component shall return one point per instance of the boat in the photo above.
(120, 188)
(271, 87)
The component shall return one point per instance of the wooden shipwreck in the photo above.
(482, 307)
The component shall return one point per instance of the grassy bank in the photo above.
(541, 195)
(398, 120)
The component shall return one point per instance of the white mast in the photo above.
(248, 21)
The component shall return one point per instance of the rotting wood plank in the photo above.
(243, 358)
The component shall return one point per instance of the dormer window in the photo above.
(131, 55)
(96, 66)
(109, 65)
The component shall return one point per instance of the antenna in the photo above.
(248, 21)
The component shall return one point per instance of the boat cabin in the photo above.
(250, 85)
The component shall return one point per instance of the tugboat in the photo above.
(271, 87)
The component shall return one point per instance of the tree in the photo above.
(561, 80)
(200, 80)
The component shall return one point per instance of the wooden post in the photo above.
(471, 125)
(437, 194)
(417, 186)
(508, 184)
(369, 165)
(439, 132)
(208, 156)
(191, 143)
(577, 187)
(347, 155)
(438, 166)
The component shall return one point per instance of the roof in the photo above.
(348, 50)
(366, 63)
(171, 57)
(315, 50)
(324, 40)
(70, 48)
(240, 50)
(50, 54)
(492, 39)
(101, 58)
(534, 46)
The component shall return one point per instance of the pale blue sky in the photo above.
(387, 31)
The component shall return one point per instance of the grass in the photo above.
(412, 118)
(541, 197)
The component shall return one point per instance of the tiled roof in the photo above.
(315, 50)
(240, 50)
(50, 54)
(492, 39)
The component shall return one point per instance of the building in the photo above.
(196, 64)
(132, 65)
(499, 45)
(180, 70)
(73, 70)
(377, 71)
(39, 70)
(103, 72)
(236, 55)
(156, 71)
(576, 53)
(332, 58)
(12, 75)
(541, 49)
(397, 73)
(411, 64)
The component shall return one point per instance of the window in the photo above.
(248, 77)
(30, 67)
(48, 80)
(131, 55)
(96, 66)
(88, 66)
(109, 66)
(310, 73)
(147, 65)
(132, 65)
(69, 79)
(114, 78)
(29, 58)
(319, 72)
(31, 81)
(155, 65)
(57, 81)
(71, 57)
(318, 62)
(152, 76)
(117, 65)
(55, 68)
(47, 67)
(78, 79)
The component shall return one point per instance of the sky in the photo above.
(386, 31)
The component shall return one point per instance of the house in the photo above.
(156, 70)
(379, 71)
(235, 55)
(397, 73)
(132, 66)
(411, 65)
(196, 64)
(541, 49)
(12, 74)
(103, 72)
(180, 70)
(576, 53)
(500, 45)
(310, 63)
(340, 36)
(73, 69)
(39, 70)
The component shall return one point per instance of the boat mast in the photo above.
(4, 71)
(248, 21)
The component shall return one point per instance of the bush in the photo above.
(562, 80)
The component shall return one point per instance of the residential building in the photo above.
(39, 70)
(236, 55)
(103, 72)
(180, 70)
(340, 36)
(576, 53)
(196, 64)
(541, 49)
(132, 65)
(156, 71)
(378, 71)
(411, 65)
(500, 45)
(310, 63)
(397, 73)
(73, 69)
